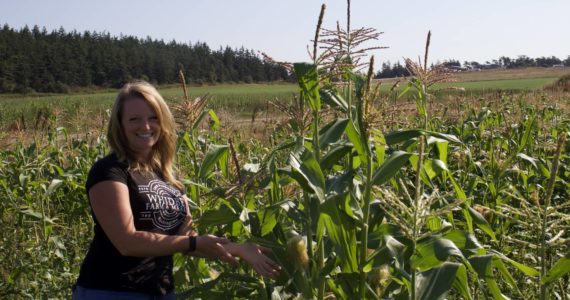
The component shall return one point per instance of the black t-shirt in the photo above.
(157, 207)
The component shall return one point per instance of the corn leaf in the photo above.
(54, 184)
(187, 142)
(529, 159)
(379, 146)
(354, 137)
(307, 172)
(465, 241)
(397, 137)
(560, 268)
(483, 265)
(433, 251)
(308, 81)
(523, 268)
(481, 222)
(334, 155)
(460, 282)
(500, 266)
(436, 283)
(215, 153)
(332, 132)
(268, 220)
(390, 167)
(341, 231)
(221, 216)
(528, 126)
(215, 119)
(199, 119)
(333, 99)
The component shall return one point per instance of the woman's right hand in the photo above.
(211, 246)
(257, 257)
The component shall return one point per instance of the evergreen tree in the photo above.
(42, 61)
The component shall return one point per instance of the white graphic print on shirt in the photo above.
(165, 206)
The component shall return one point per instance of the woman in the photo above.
(141, 215)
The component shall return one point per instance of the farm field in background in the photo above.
(239, 102)
(523, 84)
(86, 112)
(503, 79)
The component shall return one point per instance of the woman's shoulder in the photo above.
(107, 168)
(108, 162)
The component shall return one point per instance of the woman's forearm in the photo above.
(145, 244)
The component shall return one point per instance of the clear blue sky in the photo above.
(465, 30)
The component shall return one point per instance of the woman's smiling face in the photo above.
(141, 127)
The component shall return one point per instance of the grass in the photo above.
(502, 84)
(235, 95)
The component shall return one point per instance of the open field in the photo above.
(80, 111)
(526, 78)
(501, 84)
(502, 74)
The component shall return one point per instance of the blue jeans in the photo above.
(81, 293)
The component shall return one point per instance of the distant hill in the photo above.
(397, 69)
(37, 60)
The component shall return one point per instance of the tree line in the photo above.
(397, 69)
(57, 61)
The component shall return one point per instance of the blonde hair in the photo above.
(162, 153)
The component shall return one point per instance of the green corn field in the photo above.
(361, 191)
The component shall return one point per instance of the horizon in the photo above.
(121, 36)
(479, 32)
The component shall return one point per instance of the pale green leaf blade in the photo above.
(341, 231)
(529, 159)
(54, 184)
(307, 78)
(483, 264)
(309, 169)
(221, 216)
(528, 126)
(215, 153)
(268, 220)
(460, 284)
(354, 137)
(215, 119)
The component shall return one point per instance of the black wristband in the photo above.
(191, 243)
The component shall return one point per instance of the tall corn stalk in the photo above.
(544, 219)
(341, 58)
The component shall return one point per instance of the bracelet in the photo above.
(191, 243)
